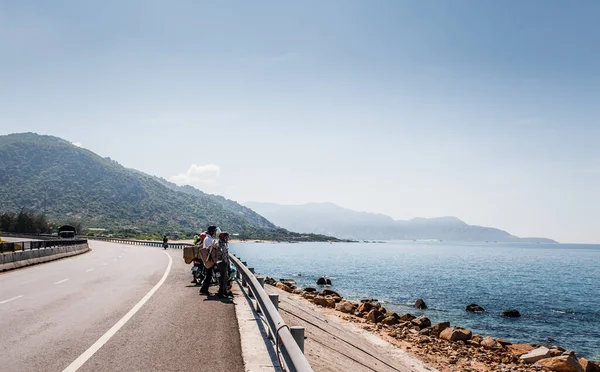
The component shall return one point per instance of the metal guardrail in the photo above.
(140, 242)
(292, 354)
(41, 244)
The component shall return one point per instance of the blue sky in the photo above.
(488, 111)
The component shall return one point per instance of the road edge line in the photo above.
(80, 361)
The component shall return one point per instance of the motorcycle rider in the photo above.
(211, 234)
(165, 242)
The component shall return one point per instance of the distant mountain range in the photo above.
(46, 174)
(330, 219)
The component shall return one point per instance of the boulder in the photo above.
(284, 287)
(393, 314)
(504, 343)
(474, 308)
(390, 320)
(374, 316)
(321, 281)
(589, 366)
(519, 349)
(337, 299)
(309, 296)
(422, 322)
(535, 355)
(325, 302)
(477, 338)
(420, 304)
(270, 281)
(511, 313)
(563, 363)
(438, 328)
(328, 282)
(490, 343)
(345, 307)
(407, 317)
(310, 289)
(456, 334)
(365, 307)
(330, 292)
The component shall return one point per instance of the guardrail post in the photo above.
(261, 280)
(275, 300)
(251, 269)
(244, 279)
(298, 334)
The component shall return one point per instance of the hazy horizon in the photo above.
(483, 111)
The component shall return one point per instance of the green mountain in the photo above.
(68, 183)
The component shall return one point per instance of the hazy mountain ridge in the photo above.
(330, 219)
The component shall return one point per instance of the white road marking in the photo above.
(77, 363)
(88, 270)
(10, 299)
(61, 281)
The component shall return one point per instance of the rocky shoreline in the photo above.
(442, 346)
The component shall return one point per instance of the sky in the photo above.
(484, 110)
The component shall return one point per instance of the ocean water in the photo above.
(556, 287)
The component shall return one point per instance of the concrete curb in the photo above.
(17, 260)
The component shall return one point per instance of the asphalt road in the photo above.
(52, 314)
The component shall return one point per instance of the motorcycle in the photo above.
(199, 273)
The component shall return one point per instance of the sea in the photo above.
(555, 287)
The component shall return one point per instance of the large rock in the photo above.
(563, 363)
(325, 302)
(345, 307)
(474, 308)
(407, 317)
(422, 322)
(309, 296)
(374, 316)
(284, 287)
(519, 349)
(438, 328)
(390, 320)
(420, 304)
(393, 314)
(512, 313)
(310, 289)
(456, 334)
(490, 343)
(321, 281)
(589, 366)
(330, 292)
(537, 354)
(365, 307)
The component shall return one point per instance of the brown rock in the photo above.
(284, 287)
(330, 292)
(504, 343)
(537, 354)
(456, 334)
(519, 349)
(407, 317)
(490, 343)
(325, 302)
(309, 296)
(589, 366)
(374, 316)
(420, 304)
(390, 320)
(345, 307)
(438, 328)
(392, 314)
(422, 322)
(563, 363)
(365, 307)
(309, 289)
(474, 308)
(337, 299)
(477, 338)
(298, 291)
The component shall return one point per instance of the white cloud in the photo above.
(78, 144)
(197, 175)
